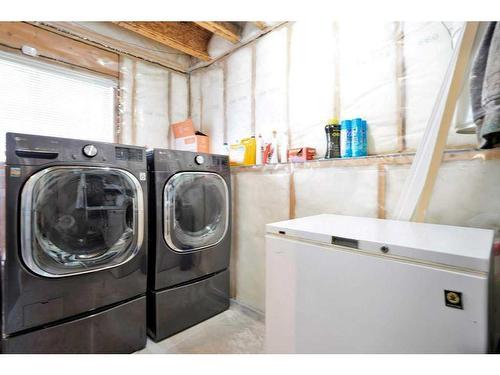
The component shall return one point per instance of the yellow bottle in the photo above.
(243, 153)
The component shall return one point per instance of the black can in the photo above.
(332, 131)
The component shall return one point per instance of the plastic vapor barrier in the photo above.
(151, 98)
(389, 74)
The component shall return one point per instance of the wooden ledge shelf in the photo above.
(372, 160)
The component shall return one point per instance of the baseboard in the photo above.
(246, 309)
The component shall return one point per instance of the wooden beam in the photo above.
(381, 191)
(110, 37)
(458, 76)
(261, 25)
(401, 94)
(292, 198)
(58, 48)
(186, 37)
(226, 30)
(374, 161)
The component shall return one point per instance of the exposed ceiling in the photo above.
(191, 38)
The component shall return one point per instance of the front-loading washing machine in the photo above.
(190, 239)
(73, 255)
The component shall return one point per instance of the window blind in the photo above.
(44, 99)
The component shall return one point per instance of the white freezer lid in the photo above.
(461, 247)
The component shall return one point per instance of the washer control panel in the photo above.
(89, 150)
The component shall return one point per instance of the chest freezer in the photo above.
(343, 284)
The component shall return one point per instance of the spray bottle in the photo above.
(259, 150)
(274, 149)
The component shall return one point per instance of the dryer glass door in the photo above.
(196, 210)
(80, 219)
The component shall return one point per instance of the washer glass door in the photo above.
(80, 219)
(196, 210)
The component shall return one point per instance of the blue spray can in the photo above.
(357, 137)
(346, 139)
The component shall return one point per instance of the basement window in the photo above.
(48, 99)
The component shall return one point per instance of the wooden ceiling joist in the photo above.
(57, 48)
(183, 36)
(261, 25)
(226, 30)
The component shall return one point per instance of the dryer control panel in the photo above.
(174, 160)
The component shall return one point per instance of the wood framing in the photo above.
(183, 36)
(381, 190)
(151, 52)
(401, 90)
(260, 24)
(388, 159)
(457, 79)
(226, 30)
(58, 48)
(253, 85)
(293, 199)
(133, 124)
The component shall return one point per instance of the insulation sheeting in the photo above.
(151, 98)
(212, 123)
(456, 200)
(151, 110)
(395, 180)
(364, 70)
(271, 84)
(179, 91)
(254, 209)
(126, 106)
(249, 31)
(218, 46)
(470, 201)
(239, 94)
(336, 190)
(428, 48)
(311, 88)
(369, 81)
(178, 103)
(196, 100)
(385, 72)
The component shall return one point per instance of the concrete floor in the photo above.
(235, 331)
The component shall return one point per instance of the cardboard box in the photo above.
(301, 154)
(188, 139)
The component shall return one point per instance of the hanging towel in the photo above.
(485, 88)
